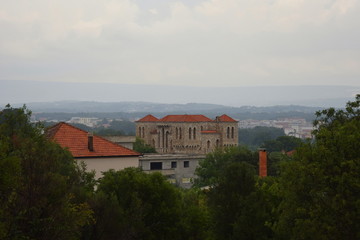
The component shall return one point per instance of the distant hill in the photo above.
(132, 107)
(64, 110)
(20, 92)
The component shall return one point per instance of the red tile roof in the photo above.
(226, 118)
(148, 118)
(185, 118)
(76, 141)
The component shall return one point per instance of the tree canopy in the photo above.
(37, 183)
(321, 187)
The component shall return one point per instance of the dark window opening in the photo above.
(173, 164)
(155, 165)
(186, 164)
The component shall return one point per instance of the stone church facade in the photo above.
(187, 134)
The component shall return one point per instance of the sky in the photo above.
(213, 43)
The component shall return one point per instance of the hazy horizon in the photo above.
(20, 92)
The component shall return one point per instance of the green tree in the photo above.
(141, 147)
(321, 187)
(143, 206)
(127, 127)
(211, 168)
(239, 208)
(254, 137)
(37, 179)
(282, 143)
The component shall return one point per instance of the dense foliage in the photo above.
(38, 182)
(321, 188)
(254, 137)
(313, 194)
(141, 147)
(282, 143)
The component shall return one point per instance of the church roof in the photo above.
(226, 118)
(185, 118)
(76, 141)
(148, 118)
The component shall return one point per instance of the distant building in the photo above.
(187, 134)
(98, 153)
(90, 122)
(178, 168)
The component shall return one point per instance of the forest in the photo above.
(312, 194)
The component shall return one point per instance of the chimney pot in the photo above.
(262, 162)
(91, 142)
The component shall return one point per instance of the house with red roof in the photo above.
(96, 152)
(187, 134)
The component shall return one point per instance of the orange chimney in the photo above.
(90, 142)
(262, 162)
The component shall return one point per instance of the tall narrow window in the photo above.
(159, 139)
(232, 132)
(176, 133)
(228, 132)
(208, 144)
(194, 131)
(143, 132)
(180, 133)
(139, 131)
(167, 139)
(189, 133)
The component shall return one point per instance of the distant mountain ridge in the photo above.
(132, 107)
(20, 92)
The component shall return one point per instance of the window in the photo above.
(186, 164)
(189, 133)
(173, 164)
(232, 132)
(155, 165)
(194, 131)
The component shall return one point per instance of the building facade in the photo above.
(187, 134)
(96, 152)
(179, 169)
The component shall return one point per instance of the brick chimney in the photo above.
(262, 162)
(90, 142)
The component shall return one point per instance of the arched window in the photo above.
(180, 133)
(139, 131)
(228, 132)
(194, 131)
(189, 133)
(217, 143)
(176, 133)
(232, 132)
(143, 132)
(208, 144)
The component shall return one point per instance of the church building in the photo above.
(187, 134)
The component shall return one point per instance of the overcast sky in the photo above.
(189, 42)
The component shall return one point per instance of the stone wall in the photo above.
(188, 137)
